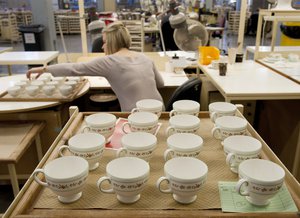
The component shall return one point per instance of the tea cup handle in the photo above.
(170, 130)
(86, 128)
(121, 152)
(123, 127)
(134, 110)
(216, 132)
(159, 181)
(37, 179)
(238, 187)
(172, 113)
(61, 149)
(167, 154)
(99, 183)
(213, 116)
(229, 158)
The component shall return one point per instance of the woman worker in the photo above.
(132, 75)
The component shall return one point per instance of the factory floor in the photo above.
(6, 194)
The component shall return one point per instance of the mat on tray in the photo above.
(151, 198)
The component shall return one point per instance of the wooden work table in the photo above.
(25, 204)
(26, 57)
(53, 113)
(251, 80)
(290, 70)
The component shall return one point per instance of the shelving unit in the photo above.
(9, 27)
(234, 21)
(63, 22)
(137, 33)
(23, 17)
(68, 25)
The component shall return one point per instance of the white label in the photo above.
(29, 38)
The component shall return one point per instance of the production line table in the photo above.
(27, 58)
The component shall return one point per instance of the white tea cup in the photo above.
(102, 123)
(59, 79)
(72, 83)
(138, 144)
(43, 79)
(215, 64)
(127, 176)
(141, 122)
(27, 81)
(219, 109)
(239, 148)
(37, 83)
(293, 57)
(52, 83)
(228, 126)
(32, 90)
(260, 180)
(65, 90)
(65, 176)
(89, 146)
(149, 105)
(185, 107)
(183, 145)
(48, 90)
(276, 56)
(183, 123)
(14, 90)
(22, 85)
(185, 176)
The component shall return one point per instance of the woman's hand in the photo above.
(37, 70)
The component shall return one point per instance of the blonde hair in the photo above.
(117, 37)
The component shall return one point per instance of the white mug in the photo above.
(71, 83)
(229, 125)
(59, 79)
(260, 180)
(127, 176)
(183, 145)
(102, 123)
(43, 79)
(185, 107)
(149, 105)
(32, 90)
(53, 83)
(219, 109)
(141, 122)
(185, 176)
(65, 176)
(22, 85)
(14, 90)
(65, 90)
(48, 90)
(138, 144)
(37, 83)
(293, 57)
(183, 123)
(239, 148)
(215, 64)
(89, 146)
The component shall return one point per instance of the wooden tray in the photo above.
(24, 203)
(57, 96)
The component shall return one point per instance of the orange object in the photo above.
(207, 54)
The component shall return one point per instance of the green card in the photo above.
(231, 201)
